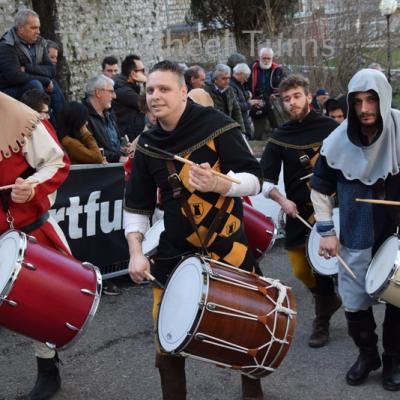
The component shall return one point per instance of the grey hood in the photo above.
(343, 149)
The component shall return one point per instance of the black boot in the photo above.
(361, 327)
(251, 389)
(391, 346)
(325, 307)
(48, 380)
(172, 374)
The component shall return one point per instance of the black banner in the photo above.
(88, 209)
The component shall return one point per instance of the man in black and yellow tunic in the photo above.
(212, 141)
(296, 145)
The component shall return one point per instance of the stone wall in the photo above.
(89, 30)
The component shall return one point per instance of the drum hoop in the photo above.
(200, 312)
(271, 243)
(93, 308)
(18, 265)
(386, 282)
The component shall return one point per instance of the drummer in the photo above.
(36, 169)
(360, 159)
(207, 137)
(296, 144)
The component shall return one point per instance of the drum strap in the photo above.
(176, 184)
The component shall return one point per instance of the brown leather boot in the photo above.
(325, 307)
(172, 374)
(251, 389)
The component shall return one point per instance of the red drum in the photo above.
(217, 313)
(260, 231)
(44, 294)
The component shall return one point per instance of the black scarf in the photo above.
(197, 126)
(311, 131)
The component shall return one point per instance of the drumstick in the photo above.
(186, 161)
(303, 178)
(342, 262)
(303, 221)
(150, 277)
(33, 183)
(384, 202)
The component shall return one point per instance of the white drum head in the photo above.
(380, 269)
(10, 249)
(322, 265)
(152, 237)
(180, 304)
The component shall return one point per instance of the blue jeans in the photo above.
(56, 95)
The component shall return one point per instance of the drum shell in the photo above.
(50, 296)
(260, 231)
(391, 293)
(246, 333)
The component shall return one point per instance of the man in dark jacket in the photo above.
(223, 95)
(24, 62)
(129, 118)
(241, 73)
(102, 125)
(264, 83)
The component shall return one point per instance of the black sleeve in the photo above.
(235, 155)
(128, 98)
(141, 190)
(324, 177)
(10, 68)
(271, 163)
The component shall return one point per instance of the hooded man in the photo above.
(296, 145)
(361, 159)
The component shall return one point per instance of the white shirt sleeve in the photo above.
(266, 190)
(323, 205)
(249, 185)
(135, 223)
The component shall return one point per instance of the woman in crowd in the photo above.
(78, 142)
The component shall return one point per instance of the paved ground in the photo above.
(114, 360)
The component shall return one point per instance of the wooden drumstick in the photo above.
(341, 261)
(189, 162)
(151, 278)
(33, 183)
(383, 202)
(303, 178)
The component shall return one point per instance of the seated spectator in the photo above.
(52, 51)
(126, 107)
(75, 137)
(24, 62)
(337, 108)
(38, 101)
(100, 94)
(241, 74)
(195, 77)
(319, 100)
(109, 66)
(223, 95)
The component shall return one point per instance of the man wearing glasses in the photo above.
(130, 119)
(100, 94)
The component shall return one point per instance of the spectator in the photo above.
(38, 101)
(264, 85)
(75, 137)
(109, 66)
(223, 95)
(337, 109)
(52, 51)
(200, 96)
(241, 73)
(319, 100)
(24, 62)
(195, 77)
(126, 107)
(100, 93)
(235, 59)
(120, 79)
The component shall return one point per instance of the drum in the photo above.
(383, 277)
(152, 238)
(260, 231)
(322, 265)
(217, 313)
(44, 294)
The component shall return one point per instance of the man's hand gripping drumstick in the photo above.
(22, 190)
